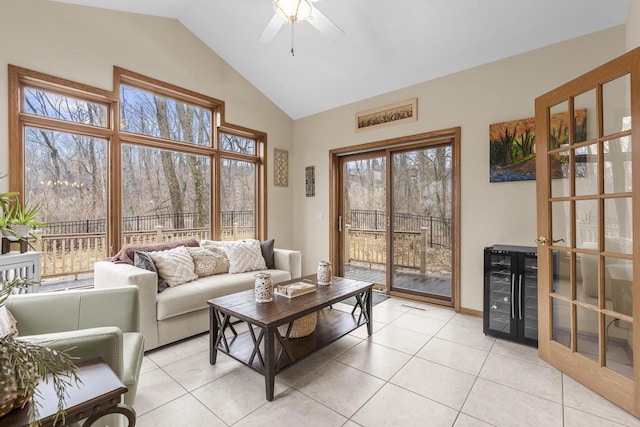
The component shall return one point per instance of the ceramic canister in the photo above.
(263, 287)
(324, 273)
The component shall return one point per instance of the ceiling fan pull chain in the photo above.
(292, 27)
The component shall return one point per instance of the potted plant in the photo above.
(23, 363)
(6, 200)
(22, 218)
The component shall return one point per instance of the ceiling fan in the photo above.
(294, 12)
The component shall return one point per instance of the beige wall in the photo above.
(83, 44)
(473, 99)
(633, 31)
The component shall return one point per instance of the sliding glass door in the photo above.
(421, 226)
(395, 215)
(364, 218)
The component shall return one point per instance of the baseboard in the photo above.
(471, 312)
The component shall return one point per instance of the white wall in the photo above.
(473, 99)
(83, 44)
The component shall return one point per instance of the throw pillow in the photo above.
(267, 253)
(126, 254)
(175, 265)
(143, 260)
(7, 323)
(212, 243)
(209, 261)
(244, 257)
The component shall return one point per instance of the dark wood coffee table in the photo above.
(98, 395)
(262, 347)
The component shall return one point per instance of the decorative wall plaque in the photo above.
(310, 180)
(280, 168)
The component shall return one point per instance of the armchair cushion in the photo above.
(86, 324)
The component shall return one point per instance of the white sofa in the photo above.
(182, 311)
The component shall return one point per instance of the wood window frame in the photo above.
(20, 77)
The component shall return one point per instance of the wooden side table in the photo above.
(98, 395)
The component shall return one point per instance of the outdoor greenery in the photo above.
(70, 169)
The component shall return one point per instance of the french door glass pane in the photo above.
(584, 107)
(561, 225)
(617, 165)
(562, 273)
(559, 126)
(587, 333)
(421, 215)
(66, 174)
(561, 319)
(618, 225)
(365, 219)
(618, 284)
(586, 170)
(616, 104)
(586, 223)
(587, 280)
(165, 195)
(237, 199)
(559, 170)
(619, 353)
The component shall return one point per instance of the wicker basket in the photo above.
(301, 327)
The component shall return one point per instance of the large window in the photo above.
(146, 162)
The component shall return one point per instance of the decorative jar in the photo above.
(263, 287)
(324, 273)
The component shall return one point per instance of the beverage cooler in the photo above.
(511, 293)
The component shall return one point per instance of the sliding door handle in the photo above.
(340, 223)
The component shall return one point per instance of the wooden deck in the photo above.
(404, 280)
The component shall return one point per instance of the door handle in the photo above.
(520, 296)
(543, 241)
(340, 223)
(513, 307)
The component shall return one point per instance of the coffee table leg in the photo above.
(213, 336)
(370, 311)
(270, 363)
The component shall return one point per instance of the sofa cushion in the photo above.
(174, 265)
(244, 257)
(267, 253)
(143, 260)
(209, 261)
(193, 296)
(126, 254)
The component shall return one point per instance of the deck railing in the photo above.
(370, 246)
(75, 254)
(65, 255)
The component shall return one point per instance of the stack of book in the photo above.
(296, 289)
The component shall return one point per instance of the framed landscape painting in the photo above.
(513, 145)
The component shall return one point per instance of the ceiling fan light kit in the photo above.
(293, 11)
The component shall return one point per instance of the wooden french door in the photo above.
(589, 237)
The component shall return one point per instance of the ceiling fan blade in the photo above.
(325, 25)
(272, 29)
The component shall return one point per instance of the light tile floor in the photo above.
(423, 366)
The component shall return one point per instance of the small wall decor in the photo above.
(280, 168)
(513, 145)
(310, 181)
(401, 112)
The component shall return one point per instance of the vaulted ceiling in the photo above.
(387, 44)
